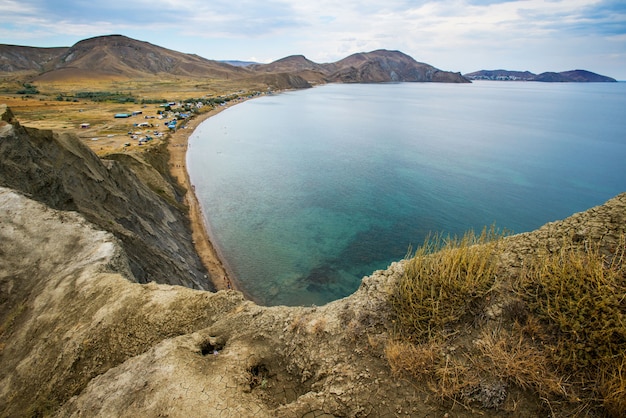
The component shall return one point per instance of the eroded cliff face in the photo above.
(80, 336)
(123, 195)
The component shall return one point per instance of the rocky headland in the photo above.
(572, 76)
(105, 309)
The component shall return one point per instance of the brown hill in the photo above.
(120, 56)
(293, 63)
(15, 58)
(386, 66)
(365, 67)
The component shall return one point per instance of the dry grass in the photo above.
(445, 375)
(561, 335)
(578, 297)
(512, 358)
(46, 111)
(443, 282)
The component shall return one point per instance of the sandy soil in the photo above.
(208, 253)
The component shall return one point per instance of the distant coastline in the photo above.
(573, 76)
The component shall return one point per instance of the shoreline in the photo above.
(178, 146)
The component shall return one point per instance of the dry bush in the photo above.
(445, 375)
(580, 295)
(511, 357)
(612, 387)
(443, 282)
(577, 297)
(419, 361)
(564, 338)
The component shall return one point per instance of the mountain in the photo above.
(15, 58)
(366, 67)
(579, 76)
(120, 57)
(388, 66)
(293, 63)
(117, 55)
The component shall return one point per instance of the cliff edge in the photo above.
(123, 194)
(80, 336)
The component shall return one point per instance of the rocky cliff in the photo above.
(79, 336)
(122, 194)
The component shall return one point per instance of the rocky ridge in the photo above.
(79, 336)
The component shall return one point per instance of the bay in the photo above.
(305, 192)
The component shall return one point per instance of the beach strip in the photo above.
(178, 145)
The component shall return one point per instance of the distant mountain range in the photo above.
(580, 76)
(119, 57)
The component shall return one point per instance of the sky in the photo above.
(452, 35)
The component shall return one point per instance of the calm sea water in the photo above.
(306, 192)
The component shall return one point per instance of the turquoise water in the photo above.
(306, 192)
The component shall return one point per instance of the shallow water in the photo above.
(306, 192)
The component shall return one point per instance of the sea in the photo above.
(306, 192)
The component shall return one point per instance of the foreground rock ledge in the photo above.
(79, 338)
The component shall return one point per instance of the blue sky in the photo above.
(454, 35)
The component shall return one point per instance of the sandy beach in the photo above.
(178, 146)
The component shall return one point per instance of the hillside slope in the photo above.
(388, 66)
(30, 59)
(122, 56)
(123, 195)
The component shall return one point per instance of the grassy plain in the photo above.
(58, 106)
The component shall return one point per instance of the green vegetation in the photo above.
(28, 89)
(153, 101)
(106, 96)
(556, 327)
